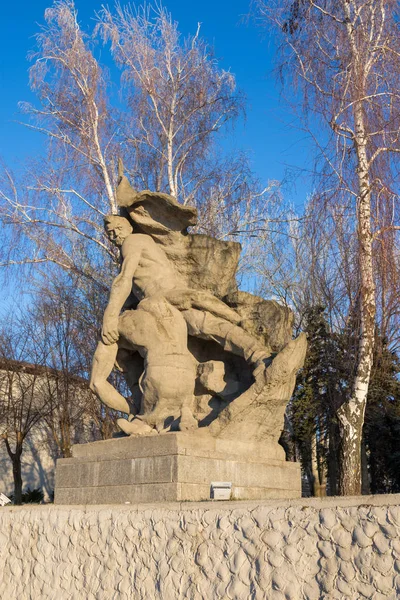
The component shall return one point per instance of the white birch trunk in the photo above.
(170, 147)
(351, 414)
(318, 471)
(102, 163)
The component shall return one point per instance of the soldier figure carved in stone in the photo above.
(182, 326)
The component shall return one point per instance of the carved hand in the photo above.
(109, 332)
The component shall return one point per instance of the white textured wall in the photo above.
(339, 549)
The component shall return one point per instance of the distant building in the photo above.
(58, 403)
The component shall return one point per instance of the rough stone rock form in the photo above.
(334, 549)
(265, 319)
(196, 352)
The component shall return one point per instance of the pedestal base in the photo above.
(173, 467)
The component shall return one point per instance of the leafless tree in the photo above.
(180, 96)
(345, 57)
(175, 98)
(68, 342)
(23, 397)
(53, 214)
(45, 357)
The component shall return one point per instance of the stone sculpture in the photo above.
(195, 351)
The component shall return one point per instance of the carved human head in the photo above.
(117, 228)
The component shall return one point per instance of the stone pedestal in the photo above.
(173, 467)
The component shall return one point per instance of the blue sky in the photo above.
(268, 134)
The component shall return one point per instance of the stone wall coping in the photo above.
(316, 503)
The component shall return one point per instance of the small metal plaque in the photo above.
(221, 490)
(4, 500)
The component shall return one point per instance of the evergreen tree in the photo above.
(382, 421)
(323, 385)
(315, 402)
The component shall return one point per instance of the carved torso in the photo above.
(154, 274)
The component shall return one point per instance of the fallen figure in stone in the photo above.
(158, 330)
(181, 324)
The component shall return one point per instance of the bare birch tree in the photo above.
(179, 96)
(56, 209)
(174, 100)
(345, 57)
(179, 99)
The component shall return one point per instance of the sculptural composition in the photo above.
(195, 351)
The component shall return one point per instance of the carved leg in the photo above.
(185, 299)
(187, 421)
(171, 390)
(231, 337)
(159, 332)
